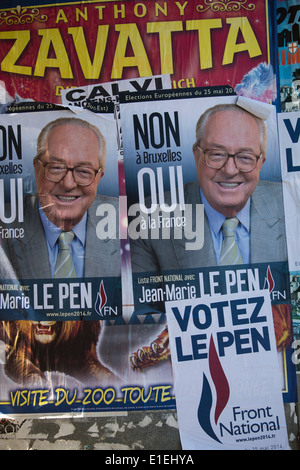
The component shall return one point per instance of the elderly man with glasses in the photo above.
(229, 152)
(69, 165)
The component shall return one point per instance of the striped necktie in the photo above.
(230, 254)
(64, 267)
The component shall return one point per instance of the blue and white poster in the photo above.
(289, 139)
(226, 373)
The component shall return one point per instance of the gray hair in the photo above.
(43, 136)
(202, 122)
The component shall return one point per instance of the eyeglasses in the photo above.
(55, 172)
(216, 159)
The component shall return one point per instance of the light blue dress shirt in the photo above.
(52, 233)
(242, 234)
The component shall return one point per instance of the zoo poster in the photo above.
(47, 47)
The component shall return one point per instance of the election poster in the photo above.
(226, 373)
(288, 126)
(33, 193)
(48, 47)
(288, 12)
(175, 230)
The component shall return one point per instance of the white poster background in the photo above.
(289, 133)
(245, 410)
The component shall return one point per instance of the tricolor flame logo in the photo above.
(269, 280)
(101, 299)
(222, 393)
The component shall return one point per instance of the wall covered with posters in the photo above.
(115, 292)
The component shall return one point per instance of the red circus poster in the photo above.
(44, 49)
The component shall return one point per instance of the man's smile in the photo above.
(228, 185)
(66, 198)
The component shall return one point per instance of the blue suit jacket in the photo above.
(267, 236)
(27, 257)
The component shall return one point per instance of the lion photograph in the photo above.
(68, 347)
